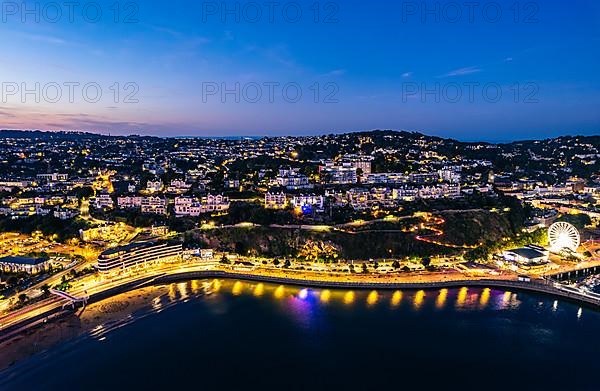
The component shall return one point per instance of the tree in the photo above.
(579, 220)
(359, 173)
(396, 264)
(224, 260)
(45, 289)
(23, 297)
(12, 280)
(84, 192)
(365, 270)
(314, 251)
(477, 254)
(426, 261)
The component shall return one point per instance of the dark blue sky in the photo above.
(492, 70)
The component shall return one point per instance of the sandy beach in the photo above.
(116, 308)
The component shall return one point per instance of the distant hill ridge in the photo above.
(53, 135)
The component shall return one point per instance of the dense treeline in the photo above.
(288, 242)
(48, 225)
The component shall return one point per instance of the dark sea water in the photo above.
(229, 335)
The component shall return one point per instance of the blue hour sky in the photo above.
(491, 70)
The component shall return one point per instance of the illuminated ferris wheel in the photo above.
(563, 235)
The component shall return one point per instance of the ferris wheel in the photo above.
(563, 235)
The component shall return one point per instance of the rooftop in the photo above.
(127, 247)
(23, 260)
(527, 252)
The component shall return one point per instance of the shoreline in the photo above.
(69, 325)
(58, 313)
(531, 287)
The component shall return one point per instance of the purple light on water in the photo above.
(303, 294)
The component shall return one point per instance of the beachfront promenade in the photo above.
(97, 290)
(541, 286)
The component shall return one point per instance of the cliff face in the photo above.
(471, 228)
(376, 241)
(288, 242)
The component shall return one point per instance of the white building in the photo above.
(24, 264)
(526, 255)
(275, 200)
(154, 186)
(439, 191)
(65, 214)
(385, 178)
(343, 174)
(178, 186)
(138, 254)
(103, 200)
(155, 205)
(191, 206)
(450, 174)
(55, 177)
(360, 199)
(361, 162)
(292, 179)
(232, 183)
(407, 193)
(129, 202)
(315, 201)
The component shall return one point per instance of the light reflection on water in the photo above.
(331, 319)
(172, 292)
(279, 292)
(396, 298)
(259, 290)
(485, 298)
(419, 299)
(237, 287)
(304, 304)
(349, 297)
(464, 299)
(372, 298)
(441, 299)
(182, 288)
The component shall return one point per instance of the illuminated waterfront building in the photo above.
(24, 264)
(137, 254)
(526, 255)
